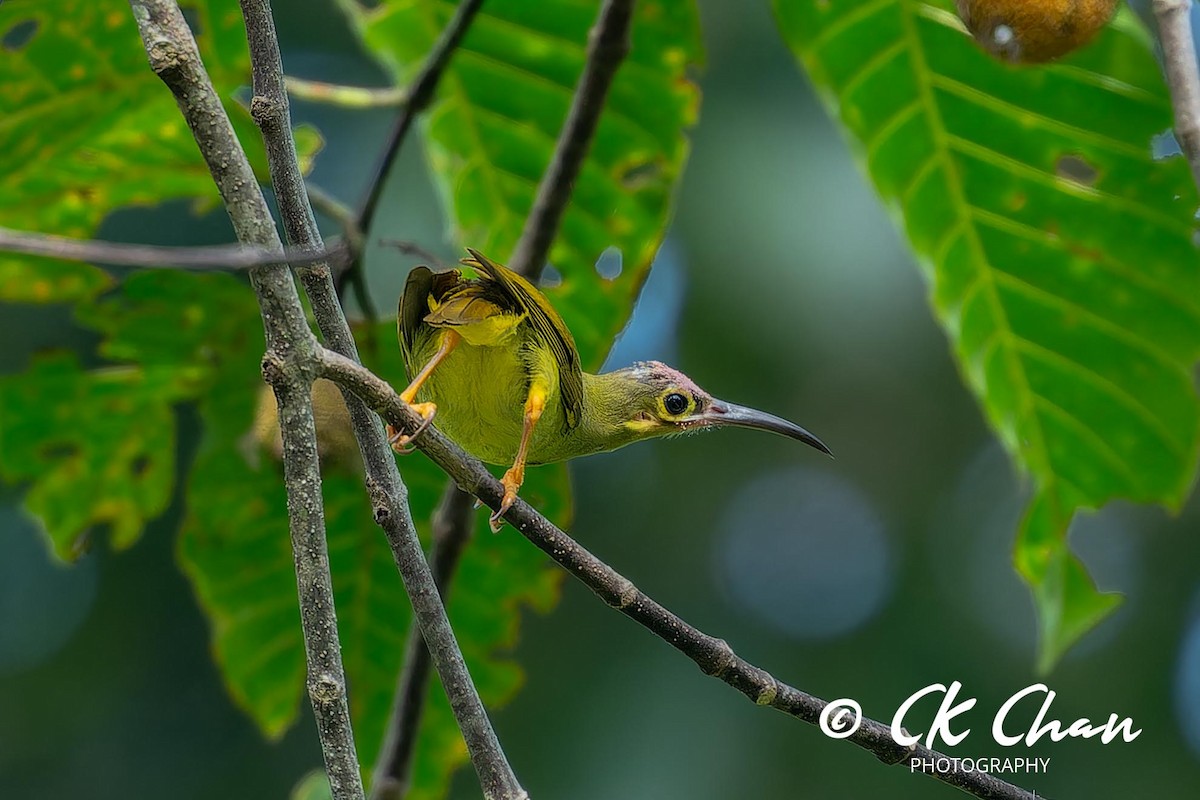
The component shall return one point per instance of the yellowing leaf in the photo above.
(98, 447)
(86, 127)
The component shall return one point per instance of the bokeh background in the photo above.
(782, 284)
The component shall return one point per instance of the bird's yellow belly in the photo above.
(480, 396)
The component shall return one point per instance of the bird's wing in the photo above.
(546, 325)
(411, 327)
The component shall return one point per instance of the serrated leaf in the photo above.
(97, 446)
(86, 127)
(236, 550)
(499, 109)
(176, 319)
(1059, 252)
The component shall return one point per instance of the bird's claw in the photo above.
(496, 521)
(402, 444)
(512, 483)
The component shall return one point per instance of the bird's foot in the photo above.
(403, 444)
(511, 481)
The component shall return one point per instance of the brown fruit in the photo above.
(1033, 31)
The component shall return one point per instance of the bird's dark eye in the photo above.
(675, 403)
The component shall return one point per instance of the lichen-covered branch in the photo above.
(452, 525)
(1179, 61)
(287, 365)
(389, 496)
(607, 47)
(714, 656)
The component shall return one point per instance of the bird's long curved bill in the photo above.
(722, 414)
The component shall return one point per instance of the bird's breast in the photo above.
(480, 394)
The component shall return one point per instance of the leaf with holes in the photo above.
(500, 106)
(98, 447)
(236, 551)
(86, 127)
(1059, 253)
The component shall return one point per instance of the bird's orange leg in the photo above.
(400, 442)
(535, 404)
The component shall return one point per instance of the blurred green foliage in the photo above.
(1060, 255)
(1058, 251)
(97, 446)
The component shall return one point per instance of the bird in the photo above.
(493, 359)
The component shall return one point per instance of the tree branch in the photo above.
(1179, 61)
(714, 656)
(287, 365)
(233, 257)
(452, 525)
(419, 95)
(391, 778)
(607, 46)
(608, 43)
(325, 203)
(389, 496)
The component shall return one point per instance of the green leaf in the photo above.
(98, 447)
(1059, 254)
(173, 319)
(499, 109)
(86, 127)
(1060, 583)
(236, 550)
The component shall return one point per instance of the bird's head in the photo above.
(651, 399)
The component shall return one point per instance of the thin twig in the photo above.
(413, 249)
(392, 772)
(452, 526)
(389, 496)
(353, 272)
(607, 47)
(325, 203)
(1179, 61)
(608, 43)
(231, 257)
(287, 365)
(714, 656)
(345, 96)
(419, 94)
(338, 211)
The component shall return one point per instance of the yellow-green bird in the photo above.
(495, 361)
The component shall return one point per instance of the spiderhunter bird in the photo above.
(498, 365)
